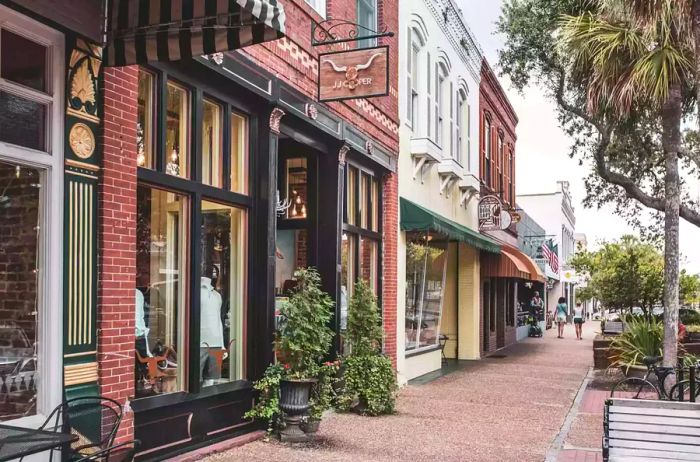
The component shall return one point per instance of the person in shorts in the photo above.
(560, 316)
(579, 320)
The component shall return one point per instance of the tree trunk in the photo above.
(696, 38)
(671, 120)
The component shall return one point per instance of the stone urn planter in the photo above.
(294, 402)
(310, 426)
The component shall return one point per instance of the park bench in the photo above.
(613, 327)
(641, 430)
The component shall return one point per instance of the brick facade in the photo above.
(390, 269)
(117, 241)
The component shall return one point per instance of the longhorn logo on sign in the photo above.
(492, 216)
(352, 74)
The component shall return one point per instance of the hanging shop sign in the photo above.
(492, 215)
(361, 73)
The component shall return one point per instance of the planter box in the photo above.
(601, 352)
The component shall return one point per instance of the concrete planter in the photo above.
(294, 402)
(634, 371)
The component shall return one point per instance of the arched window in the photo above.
(461, 130)
(443, 104)
(499, 165)
(416, 41)
(487, 150)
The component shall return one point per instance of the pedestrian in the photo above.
(560, 316)
(579, 320)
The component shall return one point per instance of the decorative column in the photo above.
(82, 157)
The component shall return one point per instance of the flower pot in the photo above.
(634, 371)
(310, 426)
(294, 402)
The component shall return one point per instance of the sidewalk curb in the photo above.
(558, 443)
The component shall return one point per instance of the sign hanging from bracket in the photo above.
(332, 31)
(358, 73)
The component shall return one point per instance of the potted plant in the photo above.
(369, 380)
(642, 337)
(322, 396)
(303, 339)
(693, 333)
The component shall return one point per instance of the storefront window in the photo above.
(351, 196)
(296, 174)
(222, 294)
(239, 153)
(23, 121)
(212, 140)
(177, 131)
(20, 203)
(369, 261)
(348, 274)
(292, 247)
(374, 204)
(161, 287)
(144, 124)
(426, 262)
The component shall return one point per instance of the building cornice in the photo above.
(488, 77)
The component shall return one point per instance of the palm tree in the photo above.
(638, 56)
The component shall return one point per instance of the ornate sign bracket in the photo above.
(332, 31)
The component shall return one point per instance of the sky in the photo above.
(542, 147)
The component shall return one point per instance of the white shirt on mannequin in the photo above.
(211, 328)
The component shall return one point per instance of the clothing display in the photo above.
(211, 327)
(141, 329)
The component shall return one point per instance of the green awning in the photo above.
(417, 218)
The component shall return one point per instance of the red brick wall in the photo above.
(390, 277)
(294, 60)
(117, 241)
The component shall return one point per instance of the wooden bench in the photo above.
(646, 430)
(613, 327)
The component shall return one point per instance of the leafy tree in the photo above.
(623, 274)
(689, 289)
(364, 333)
(623, 79)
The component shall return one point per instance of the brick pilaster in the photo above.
(117, 241)
(389, 273)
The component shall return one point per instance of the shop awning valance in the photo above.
(417, 218)
(512, 263)
(142, 31)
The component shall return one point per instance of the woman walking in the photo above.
(578, 320)
(560, 316)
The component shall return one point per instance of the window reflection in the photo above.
(161, 282)
(239, 153)
(176, 134)
(222, 294)
(19, 261)
(425, 270)
(144, 124)
(297, 187)
(22, 121)
(23, 61)
(212, 139)
(369, 261)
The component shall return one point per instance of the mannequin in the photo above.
(141, 329)
(211, 331)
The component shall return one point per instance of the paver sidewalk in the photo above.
(497, 409)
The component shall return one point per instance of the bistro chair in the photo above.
(93, 419)
(123, 452)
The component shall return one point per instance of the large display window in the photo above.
(426, 264)
(31, 213)
(192, 239)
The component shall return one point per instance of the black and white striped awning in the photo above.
(141, 31)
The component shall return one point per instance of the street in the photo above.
(509, 407)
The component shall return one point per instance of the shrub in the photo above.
(323, 393)
(641, 338)
(304, 337)
(267, 406)
(694, 328)
(689, 316)
(369, 379)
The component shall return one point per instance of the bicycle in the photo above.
(643, 388)
(687, 389)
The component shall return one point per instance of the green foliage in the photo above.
(323, 392)
(304, 337)
(364, 332)
(642, 337)
(623, 274)
(689, 289)
(688, 317)
(371, 380)
(369, 377)
(694, 328)
(267, 405)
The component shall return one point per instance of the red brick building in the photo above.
(199, 156)
(499, 273)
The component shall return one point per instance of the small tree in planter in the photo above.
(303, 339)
(369, 378)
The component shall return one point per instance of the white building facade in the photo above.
(555, 213)
(439, 243)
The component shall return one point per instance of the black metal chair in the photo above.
(123, 452)
(93, 419)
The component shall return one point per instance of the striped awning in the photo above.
(142, 31)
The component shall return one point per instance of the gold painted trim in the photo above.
(83, 115)
(82, 174)
(76, 374)
(75, 355)
(85, 165)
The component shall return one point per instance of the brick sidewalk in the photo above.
(499, 409)
(577, 455)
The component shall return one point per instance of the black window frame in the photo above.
(196, 192)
